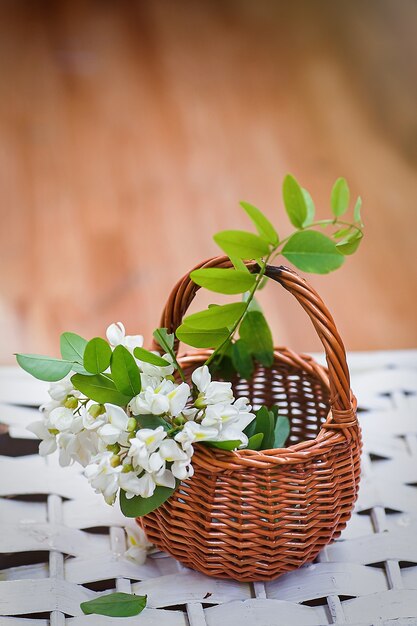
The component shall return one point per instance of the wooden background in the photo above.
(129, 131)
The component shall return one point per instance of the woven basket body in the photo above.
(253, 515)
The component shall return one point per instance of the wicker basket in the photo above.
(253, 515)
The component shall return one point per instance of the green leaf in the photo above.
(72, 347)
(100, 389)
(311, 209)
(242, 359)
(238, 264)
(281, 431)
(224, 445)
(262, 223)
(340, 197)
(265, 424)
(115, 605)
(164, 339)
(216, 316)
(255, 442)
(138, 506)
(311, 251)
(239, 243)
(97, 355)
(294, 201)
(44, 367)
(152, 421)
(357, 211)
(257, 336)
(350, 244)
(342, 232)
(228, 281)
(201, 338)
(149, 357)
(125, 372)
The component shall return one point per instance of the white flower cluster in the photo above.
(116, 451)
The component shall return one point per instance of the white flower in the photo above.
(146, 484)
(61, 389)
(194, 432)
(137, 543)
(61, 418)
(182, 469)
(48, 443)
(79, 447)
(116, 336)
(210, 392)
(90, 422)
(169, 450)
(116, 428)
(104, 478)
(146, 442)
(165, 398)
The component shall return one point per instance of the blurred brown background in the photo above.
(129, 131)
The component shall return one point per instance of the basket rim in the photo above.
(329, 435)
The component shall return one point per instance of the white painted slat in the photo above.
(326, 579)
(265, 613)
(382, 596)
(387, 605)
(190, 587)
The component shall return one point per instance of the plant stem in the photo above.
(251, 295)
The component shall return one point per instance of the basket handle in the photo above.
(341, 399)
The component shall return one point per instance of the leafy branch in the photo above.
(309, 249)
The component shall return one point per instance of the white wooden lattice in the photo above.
(51, 560)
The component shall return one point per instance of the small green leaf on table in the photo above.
(227, 281)
(115, 605)
(44, 367)
(100, 388)
(125, 372)
(241, 244)
(97, 355)
(311, 251)
(340, 197)
(138, 506)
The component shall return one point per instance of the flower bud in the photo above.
(127, 468)
(96, 409)
(179, 420)
(71, 402)
(131, 425)
(53, 431)
(200, 403)
(170, 377)
(114, 447)
(115, 461)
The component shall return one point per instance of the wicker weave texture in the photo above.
(253, 515)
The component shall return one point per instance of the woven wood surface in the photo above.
(60, 544)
